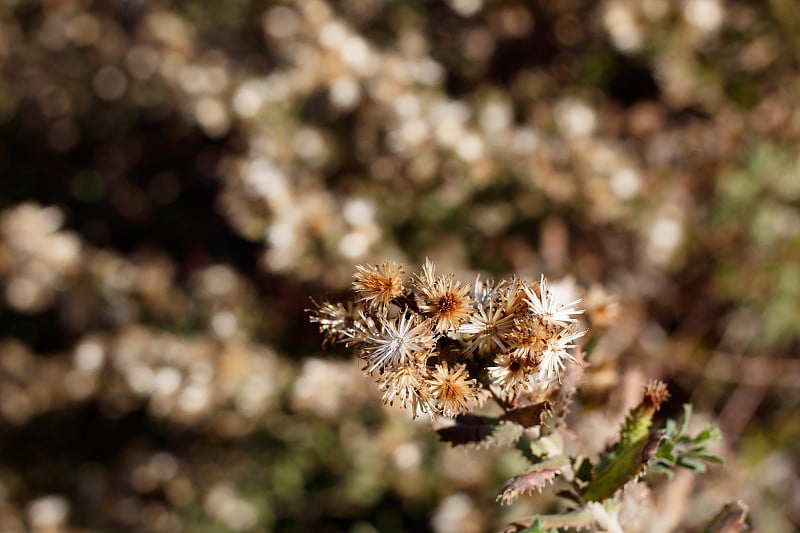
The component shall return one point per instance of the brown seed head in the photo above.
(452, 388)
(376, 286)
(528, 338)
(656, 393)
(443, 299)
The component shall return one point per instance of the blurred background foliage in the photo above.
(179, 179)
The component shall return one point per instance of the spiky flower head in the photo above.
(400, 341)
(555, 356)
(334, 321)
(406, 384)
(486, 328)
(377, 285)
(513, 297)
(542, 334)
(443, 299)
(656, 393)
(528, 337)
(541, 303)
(452, 389)
(511, 374)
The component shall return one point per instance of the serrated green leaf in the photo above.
(535, 479)
(628, 463)
(637, 425)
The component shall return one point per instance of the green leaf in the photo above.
(692, 464)
(687, 414)
(670, 427)
(628, 463)
(679, 449)
(711, 433)
(710, 458)
(659, 468)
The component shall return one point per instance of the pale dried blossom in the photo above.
(528, 338)
(334, 320)
(405, 384)
(542, 304)
(510, 374)
(486, 328)
(513, 297)
(556, 354)
(443, 299)
(603, 308)
(452, 389)
(400, 341)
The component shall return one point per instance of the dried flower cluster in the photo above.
(438, 346)
(434, 344)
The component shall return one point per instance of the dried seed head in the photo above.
(400, 341)
(334, 321)
(541, 303)
(405, 383)
(486, 328)
(656, 393)
(444, 300)
(511, 375)
(452, 388)
(376, 285)
(528, 338)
